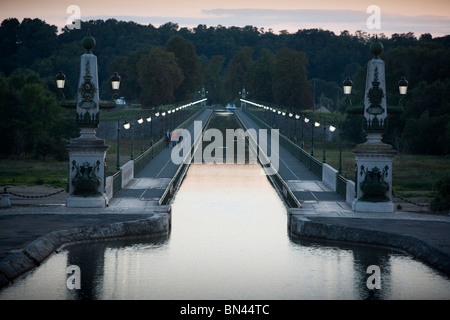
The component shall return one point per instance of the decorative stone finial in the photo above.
(376, 48)
(88, 42)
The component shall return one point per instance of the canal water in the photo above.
(229, 240)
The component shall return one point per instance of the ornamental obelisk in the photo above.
(374, 157)
(87, 153)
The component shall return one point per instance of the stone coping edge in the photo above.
(20, 262)
(301, 226)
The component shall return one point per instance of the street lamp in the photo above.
(60, 82)
(141, 121)
(115, 84)
(149, 119)
(332, 129)
(347, 84)
(118, 145)
(290, 114)
(324, 160)
(295, 127)
(86, 91)
(163, 115)
(403, 89)
(316, 124)
(305, 120)
(128, 125)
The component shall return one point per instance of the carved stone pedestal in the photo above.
(374, 177)
(87, 173)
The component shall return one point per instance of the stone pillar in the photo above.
(374, 158)
(87, 153)
(374, 179)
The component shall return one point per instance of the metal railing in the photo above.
(117, 181)
(177, 179)
(341, 185)
(312, 163)
(276, 180)
(142, 160)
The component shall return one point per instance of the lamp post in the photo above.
(163, 115)
(149, 119)
(315, 124)
(157, 115)
(374, 158)
(324, 159)
(295, 127)
(118, 146)
(169, 125)
(87, 153)
(333, 128)
(141, 121)
(290, 116)
(128, 125)
(305, 120)
(274, 111)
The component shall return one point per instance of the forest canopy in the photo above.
(169, 63)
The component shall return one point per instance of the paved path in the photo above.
(149, 184)
(306, 186)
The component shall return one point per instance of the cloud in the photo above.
(292, 20)
(355, 19)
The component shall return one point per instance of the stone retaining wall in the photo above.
(301, 226)
(18, 263)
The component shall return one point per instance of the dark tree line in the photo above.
(168, 63)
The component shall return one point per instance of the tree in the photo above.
(289, 82)
(159, 76)
(32, 122)
(260, 82)
(189, 63)
(239, 71)
(213, 78)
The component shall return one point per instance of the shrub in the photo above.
(441, 201)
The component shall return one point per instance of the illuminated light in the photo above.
(347, 84)
(115, 81)
(60, 80)
(403, 86)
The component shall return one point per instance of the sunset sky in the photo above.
(400, 16)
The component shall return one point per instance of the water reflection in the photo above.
(229, 241)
